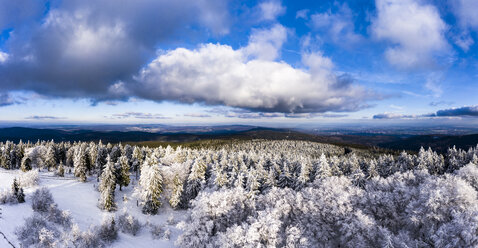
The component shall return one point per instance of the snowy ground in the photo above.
(81, 200)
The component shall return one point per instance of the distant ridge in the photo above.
(439, 143)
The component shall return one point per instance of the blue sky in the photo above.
(158, 61)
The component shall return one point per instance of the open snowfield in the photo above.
(81, 200)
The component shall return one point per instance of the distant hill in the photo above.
(439, 143)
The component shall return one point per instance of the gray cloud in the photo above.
(6, 100)
(85, 48)
(462, 111)
(138, 115)
(466, 111)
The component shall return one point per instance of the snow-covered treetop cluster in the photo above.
(283, 193)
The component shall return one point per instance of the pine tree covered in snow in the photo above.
(175, 199)
(18, 191)
(124, 175)
(80, 164)
(277, 193)
(50, 160)
(61, 170)
(150, 187)
(107, 187)
(323, 168)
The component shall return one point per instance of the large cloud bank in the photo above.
(219, 75)
(103, 51)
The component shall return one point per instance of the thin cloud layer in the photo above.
(339, 25)
(247, 114)
(43, 117)
(138, 115)
(388, 116)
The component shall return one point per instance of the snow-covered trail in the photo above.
(5, 242)
(81, 200)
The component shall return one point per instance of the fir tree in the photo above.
(196, 180)
(50, 160)
(115, 153)
(93, 154)
(124, 172)
(107, 186)
(323, 170)
(137, 159)
(101, 159)
(26, 164)
(18, 191)
(80, 164)
(305, 170)
(20, 196)
(175, 199)
(150, 187)
(61, 170)
(372, 169)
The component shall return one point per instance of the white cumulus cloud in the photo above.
(270, 10)
(415, 30)
(216, 74)
(266, 43)
(3, 57)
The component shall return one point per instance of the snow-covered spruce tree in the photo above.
(101, 159)
(61, 170)
(372, 169)
(124, 172)
(150, 187)
(305, 171)
(80, 164)
(50, 160)
(26, 164)
(404, 162)
(70, 157)
(137, 159)
(115, 153)
(334, 162)
(93, 154)
(196, 180)
(107, 187)
(423, 159)
(253, 184)
(285, 178)
(323, 168)
(18, 191)
(220, 179)
(5, 159)
(175, 199)
(19, 153)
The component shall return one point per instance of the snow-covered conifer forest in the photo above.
(255, 193)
